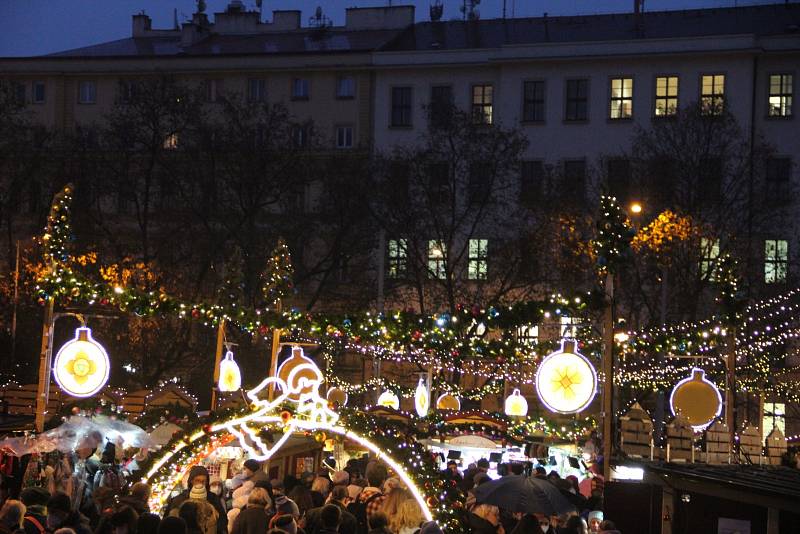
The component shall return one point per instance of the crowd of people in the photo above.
(88, 494)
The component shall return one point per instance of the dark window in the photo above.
(573, 187)
(344, 137)
(531, 178)
(482, 103)
(213, 90)
(38, 93)
(577, 100)
(19, 92)
(401, 106)
(256, 90)
(778, 189)
(533, 101)
(480, 178)
(660, 180)
(619, 178)
(345, 87)
(439, 182)
(441, 104)
(398, 182)
(87, 93)
(709, 186)
(301, 135)
(127, 91)
(300, 89)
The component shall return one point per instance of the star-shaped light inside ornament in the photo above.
(564, 381)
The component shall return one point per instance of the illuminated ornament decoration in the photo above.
(389, 399)
(566, 380)
(81, 366)
(421, 398)
(448, 402)
(300, 373)
(516, 405)
(230, 378)
(697, 399)
(339, 396)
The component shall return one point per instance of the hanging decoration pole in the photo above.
(43, 390)
(730, 384)
(608, 377)
(273, 363)
(217, 361)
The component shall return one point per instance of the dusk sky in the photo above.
(33, 27)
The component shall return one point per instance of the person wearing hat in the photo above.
(594, 519)
(60, 515)
(254, 471)
(340, 478)
(199, 490)
(35, 500)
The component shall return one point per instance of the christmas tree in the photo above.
(277, 277)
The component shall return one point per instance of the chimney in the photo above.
(141, 25)
(379, 18)
(285, 21)
(638, 6)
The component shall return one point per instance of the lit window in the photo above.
(533, 101)
(344, 137)
(345, 87)
(87, 93)
(621, 98)
(482, 98)
(666, 104)
(528, 334)
(38, 93)
(774, 417)
(401, 106)
(568, 326)
(577, 100)
(712, 94)
(171, 142)
(780, 95)
(709, 256)
(776, 260)
(478, 264)
(256, 90)
(300, 89)
(398, 257)
(437, 252)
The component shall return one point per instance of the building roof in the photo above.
(774, 19)
(769, 480)
(294, 42)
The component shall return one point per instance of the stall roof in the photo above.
(768, 480)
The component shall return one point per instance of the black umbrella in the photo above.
(518, 493)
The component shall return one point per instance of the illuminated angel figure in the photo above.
(298, 381)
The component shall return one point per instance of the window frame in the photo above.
(482, 119)
(437, 265)
(772, 264)
(621, 99)
(723, 96)
(396, 258)
(525, 102)
(480, 260)
(262, 84)
(790, 95)
(340, 96)
(300, 97)
(401, 107)
(667, 97)
(43, 85)
(93, 100)
(345, 128)
(586, 100)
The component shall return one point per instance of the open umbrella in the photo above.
(518, 493)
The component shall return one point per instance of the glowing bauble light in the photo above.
(447, 401)
(230, 378)
(388, 399)
(81, 366)
(421, 398)
(339, 396)
(566, 380)
(300, 374)
(697, 399)
(516, 405)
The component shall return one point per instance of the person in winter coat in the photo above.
(137, 499)
(172, 525)
(379, 524)
(35, 500)
(608, 527)
(254, 519)
(11, 516)
(200, 483)
(109, 474)
(485, 519)
(189, 512)
(339, 497)
(329, 519)
(124, 520)
(60, 514)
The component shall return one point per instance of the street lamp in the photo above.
(636, 208)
